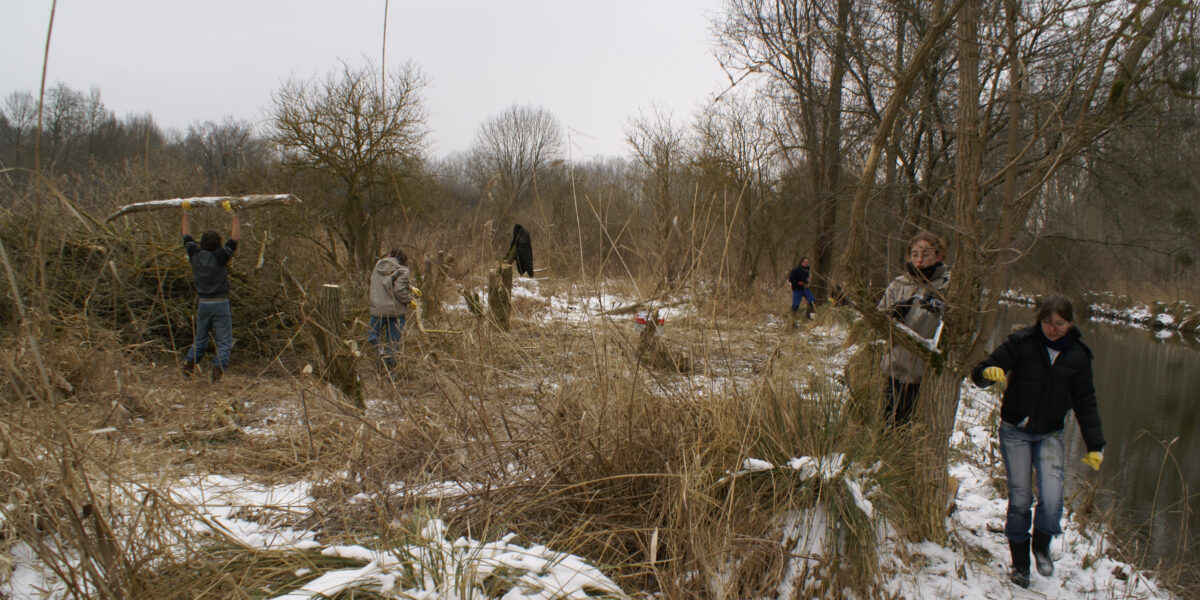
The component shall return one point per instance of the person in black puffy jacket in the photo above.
(1048, 371)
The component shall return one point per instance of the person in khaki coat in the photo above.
(915, 298)
(388, 299)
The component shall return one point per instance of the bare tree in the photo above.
(221, 149)
(511, 148)
(1025, 107)
(660, 146)
(737, 150)
(803, 50)
(18, 121)
(359, 131)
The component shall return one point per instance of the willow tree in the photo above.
(1038, 83)
(807, 51)
(363, 132)
(662, 149)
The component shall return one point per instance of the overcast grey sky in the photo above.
(592, 64)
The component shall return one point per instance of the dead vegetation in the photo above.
(578, 434)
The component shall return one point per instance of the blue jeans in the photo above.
(1023, 451)
(386, 331)
(216, 317)
(802, 294)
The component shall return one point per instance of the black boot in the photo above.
(1041, 553)
(1020, 563)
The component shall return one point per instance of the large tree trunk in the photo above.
(831, 160)
(938, 399)
(338, 361)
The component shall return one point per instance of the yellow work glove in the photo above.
(186, 205)
(227, 205)
(994, 374)
(1093, 459)
(412, 303)
(414, 291)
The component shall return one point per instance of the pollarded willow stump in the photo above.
(337, 355)
(500, 295)
(654, 352)
(433, 286)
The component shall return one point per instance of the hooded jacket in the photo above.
(918, 304)
(1040, 393)
(389, 296)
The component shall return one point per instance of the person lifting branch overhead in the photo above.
(521, 251)
(210, 268)
(1048, 371)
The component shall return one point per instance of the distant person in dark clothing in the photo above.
(799, 277)
(915, 298)
(521, 250)
(1049, 372)
(210, 261)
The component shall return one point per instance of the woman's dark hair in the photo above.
(210, 240)
(1056, 304)
(399, 255)
(934, 240)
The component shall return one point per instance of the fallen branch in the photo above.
(208, 435)
(629, 309)
(237, 202)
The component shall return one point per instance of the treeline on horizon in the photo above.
(724, 193)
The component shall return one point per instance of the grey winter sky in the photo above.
(592, 64)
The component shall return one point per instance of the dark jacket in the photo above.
(1044, 392)
(521, 250)
(210, 268)
(798, 277)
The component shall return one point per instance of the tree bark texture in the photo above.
(500, 295)
(328, 328)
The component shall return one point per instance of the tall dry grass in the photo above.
(552, 428)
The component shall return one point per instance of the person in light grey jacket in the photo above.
(915, 298)
(388, 300)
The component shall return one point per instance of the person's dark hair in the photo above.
(210, 240)
(399, 255)
(1056, 304)
(935, 241)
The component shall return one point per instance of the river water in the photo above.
(1148, 388)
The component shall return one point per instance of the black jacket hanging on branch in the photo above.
(521, 251)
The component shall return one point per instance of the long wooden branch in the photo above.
(238, 203)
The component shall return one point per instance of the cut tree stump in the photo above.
(433, 286)
(337, 355)
(654, 352)
(500, 295)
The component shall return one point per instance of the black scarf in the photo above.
(1061, 344)
(925, 273)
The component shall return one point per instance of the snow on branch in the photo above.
(237, 202)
